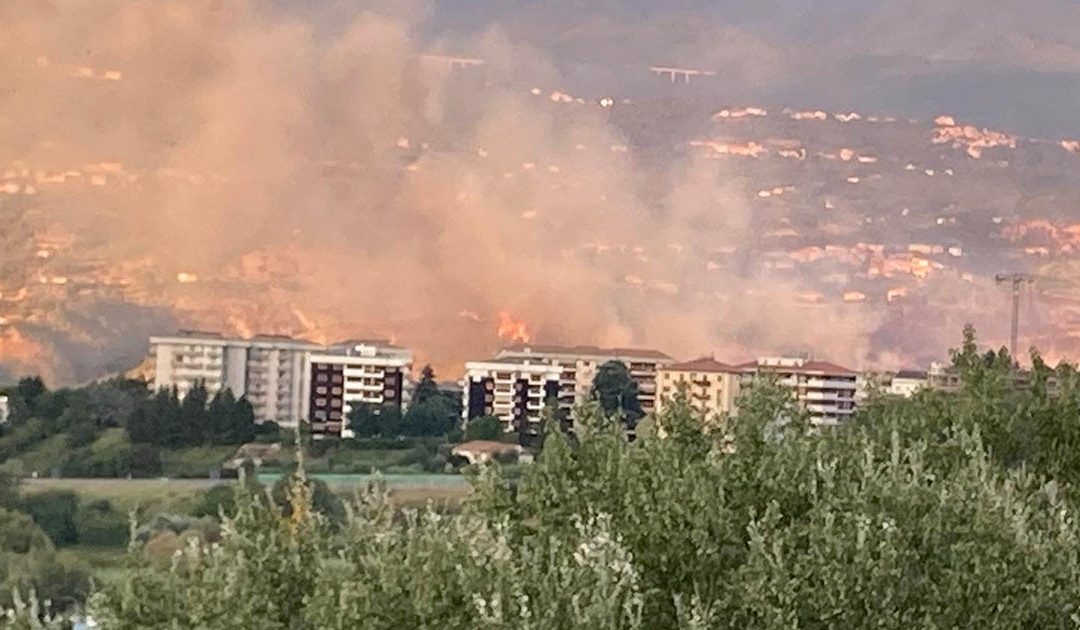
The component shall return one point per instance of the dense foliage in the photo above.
(616, 391)
(116, 428)
(432, 412)
(947, 510)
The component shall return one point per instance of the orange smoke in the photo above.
(512, 330)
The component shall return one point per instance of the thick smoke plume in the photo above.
(265, 175)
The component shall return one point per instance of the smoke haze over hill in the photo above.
(309, 168)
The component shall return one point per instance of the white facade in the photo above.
(350, 374)
(579, 365)
(825, 390)
(272, 372)
(906, 384)
(5, 409)
(512, 390)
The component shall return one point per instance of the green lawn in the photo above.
(196, 462)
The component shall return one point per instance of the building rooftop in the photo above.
(382, 343)
(914, 374)
(486, 446)
(586, 351)
(704, 364)
(799, 366)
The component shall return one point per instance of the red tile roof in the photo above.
(704, 364)
(816, 367)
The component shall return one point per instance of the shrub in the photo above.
(145, 461)
(54, 512)
(100, 525)
(484, 428)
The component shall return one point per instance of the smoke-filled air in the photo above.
(250, 167)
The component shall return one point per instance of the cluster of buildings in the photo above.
(286, 380)
(290, 381)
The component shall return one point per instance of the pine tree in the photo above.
(427, 389)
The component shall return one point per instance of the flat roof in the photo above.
(587, 351)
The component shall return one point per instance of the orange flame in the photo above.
(513, 330)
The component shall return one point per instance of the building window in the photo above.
(321, 378)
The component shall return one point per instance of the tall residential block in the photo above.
(353, 373)
(276, 373)
(579, 365)
(513, 390)
(825, 390)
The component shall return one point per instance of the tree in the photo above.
(427, 389)
(363, 420)
(483, 428)
(243, 422)
(433, 417)
(389, 420)
(54, 512)
(194, 418)
(30, 390)
(617, 392)
(220, 416)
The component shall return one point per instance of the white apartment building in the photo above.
(353, 373)
(711, 387)
(268, 370)
(906, 383)
(825, 390)
(579, 365)
(275, 372)
(513, 390)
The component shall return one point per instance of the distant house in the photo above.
(479, 451)
(254, 453)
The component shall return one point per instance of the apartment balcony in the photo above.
(823, 396)
(832, 383)
(828, 409)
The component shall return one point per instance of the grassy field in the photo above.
(178, 496)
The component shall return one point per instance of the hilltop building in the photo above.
(711, 387)
(276, 374)
(513, 390)
(579, 365)
(5, 409)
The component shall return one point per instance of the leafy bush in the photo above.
(846, 528)
(484, 428)
(99, 525)
(54, 512)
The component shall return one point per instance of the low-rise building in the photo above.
(906, 383)
(513, 390)
(579, 365)
(480, 451)
(825, 390)
(710, 386)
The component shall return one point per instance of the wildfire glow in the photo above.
(512, 330)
